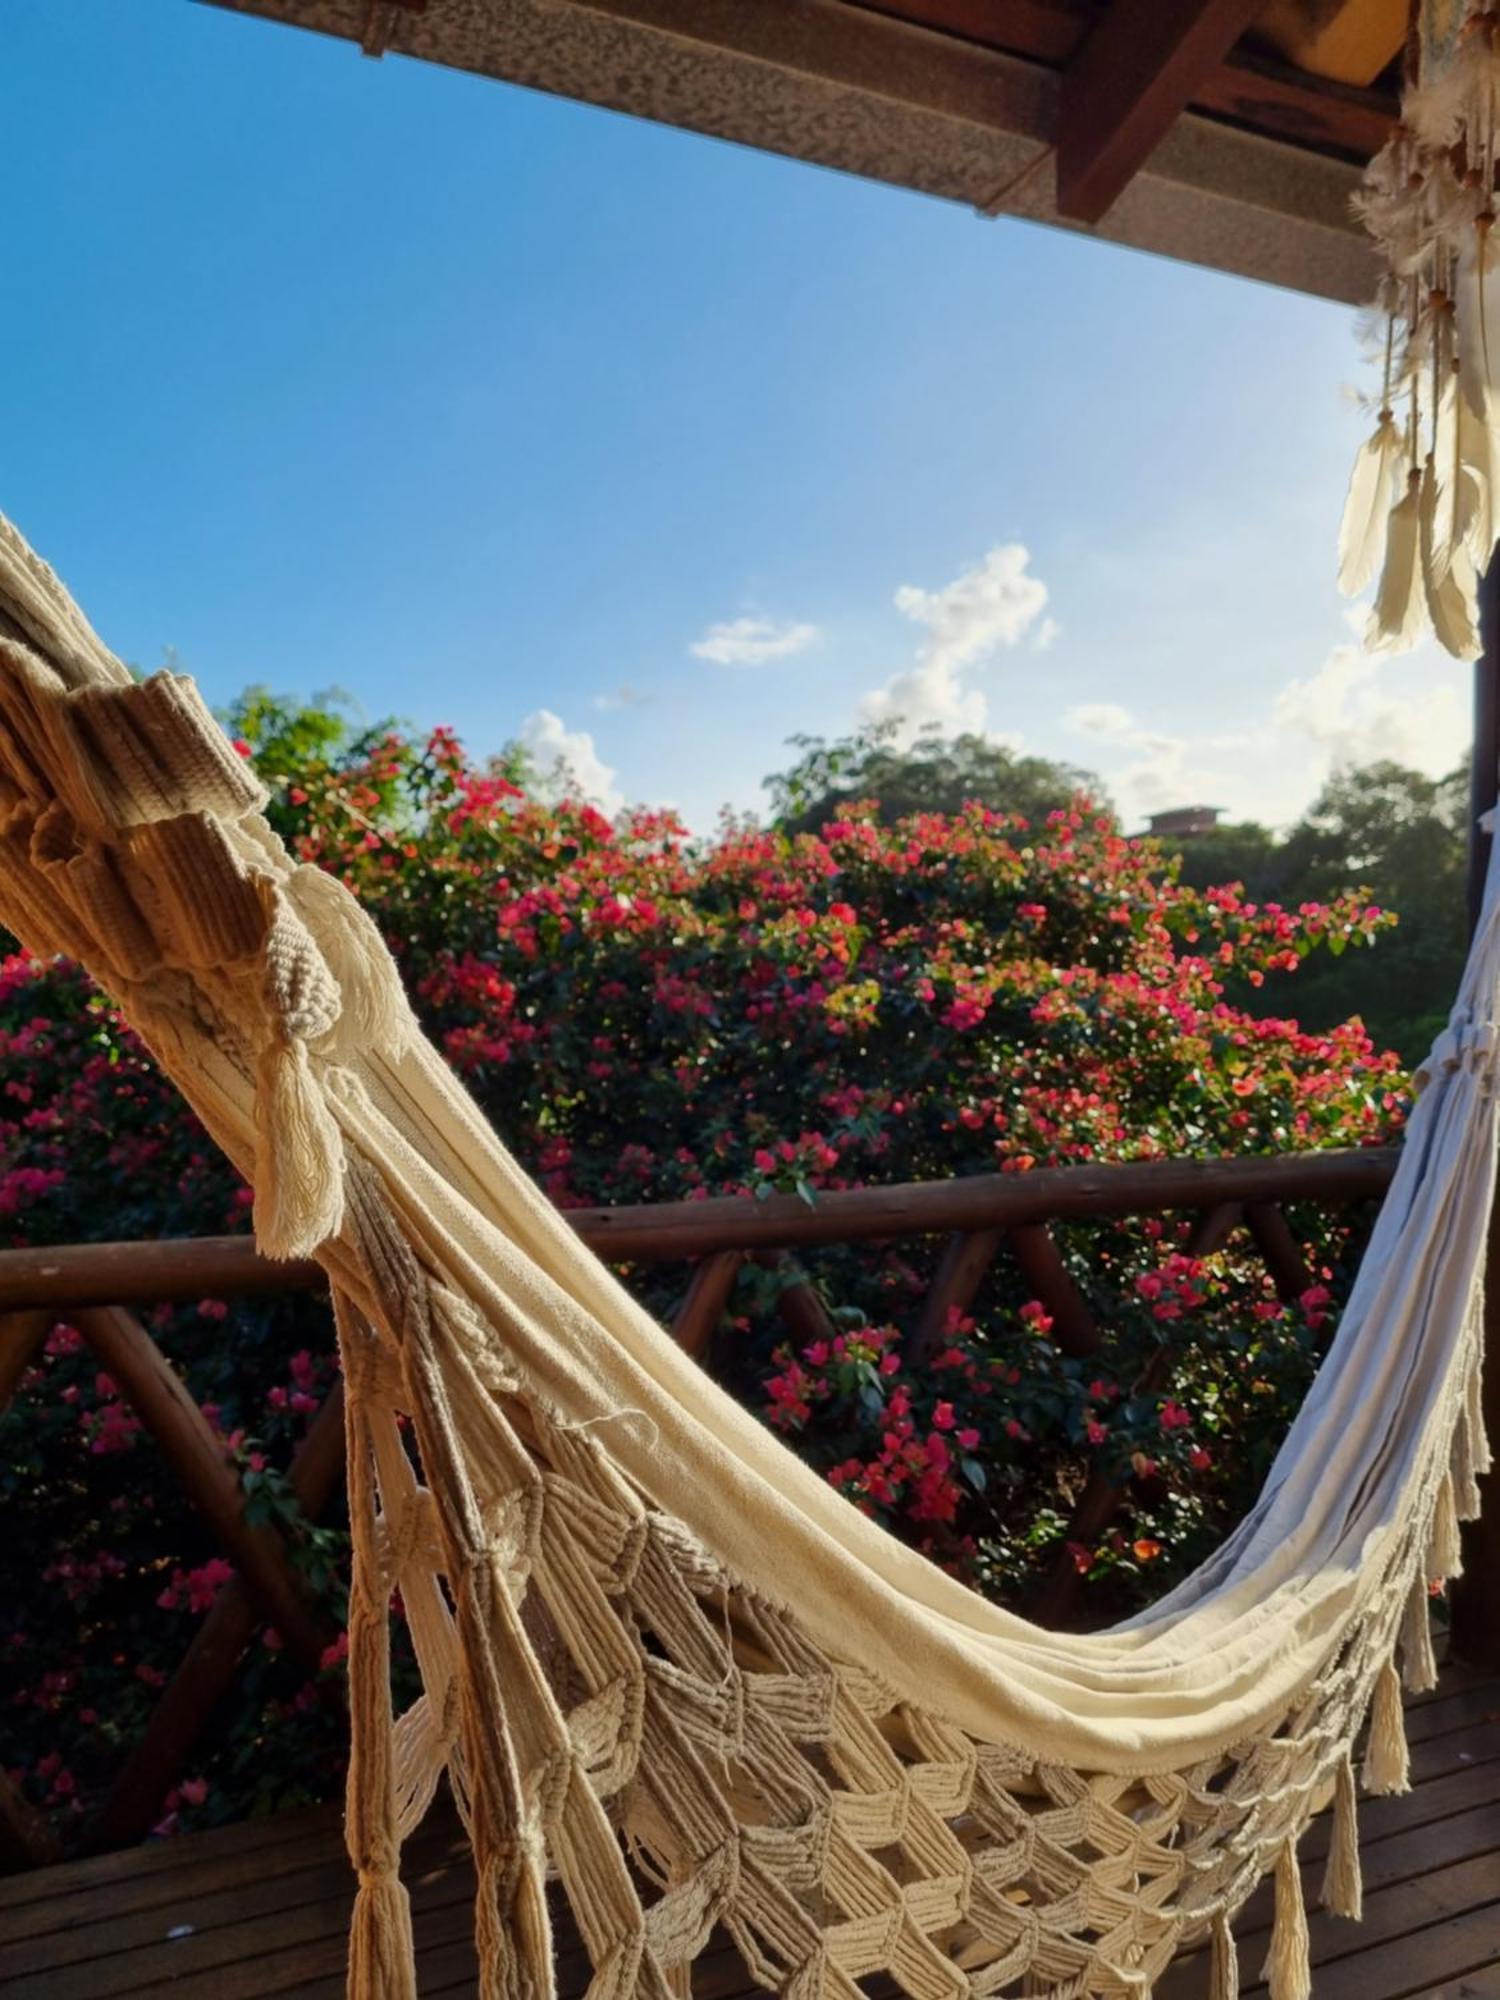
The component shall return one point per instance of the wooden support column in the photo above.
(156, 1393)
(22, 1335)
(706, 1301)
(26, 1840)
(187, 1703)
(1476, 1596)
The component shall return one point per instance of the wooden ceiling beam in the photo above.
(1252, 89)
(1136, 73)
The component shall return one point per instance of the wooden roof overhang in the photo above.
(1226, 132)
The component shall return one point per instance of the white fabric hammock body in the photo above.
(671, 1672)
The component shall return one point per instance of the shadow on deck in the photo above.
(258, 1910)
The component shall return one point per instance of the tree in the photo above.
(1241, 851)
(1402, 838)
(935, 773)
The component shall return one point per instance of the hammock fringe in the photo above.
(1445, 1556)
(1288, 1967)
(1343, 1887)
(1224, 1962)
(1387, 1765)
(1418, 1660)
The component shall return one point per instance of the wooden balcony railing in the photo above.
(977, 1220)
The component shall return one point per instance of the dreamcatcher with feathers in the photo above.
(1423, 513)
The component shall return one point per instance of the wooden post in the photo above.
(158, 1758)
(152, 1387)
(1476, 1596)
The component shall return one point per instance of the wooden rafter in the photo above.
(1252, 88)
(1137, 72)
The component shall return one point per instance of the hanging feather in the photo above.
(1367, 509)
(1465, 459)
(1401, 600)
(1477, 310)
(1453, 606)
(1448, 580)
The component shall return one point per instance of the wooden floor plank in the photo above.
(1454, 1710)
(1426, 1963)
(260, 1912)
(320, 1870)
(130, 1863)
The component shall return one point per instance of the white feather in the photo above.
(1362, 535)
(1472, 518)
(1447, 579)
(1401, 600)
(1477, 305)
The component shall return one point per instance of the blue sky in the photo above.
(490, 408)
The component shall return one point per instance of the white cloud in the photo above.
(994, 604)
(1046, 635)
(568, 760)
(751, 642)
(1349, 712)
(1155, 774)
(1353, 709)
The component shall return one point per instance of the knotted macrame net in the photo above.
(681, 1690)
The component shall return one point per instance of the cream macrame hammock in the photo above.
(678, 1684)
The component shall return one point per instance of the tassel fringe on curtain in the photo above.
(679, 1687)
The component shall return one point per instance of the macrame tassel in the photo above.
(1463, 1469)
(1343, 1888)
(1387, 1766)
(512, 1931)
(382, 1965)
(1224, 1962)
(299, 1157)
(374, 1013)
(381, 1961)
(1418, 1661)
(1444, 1554)
(1288, 1968)
(1474, 1408)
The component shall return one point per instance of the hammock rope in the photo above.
(677, 1684)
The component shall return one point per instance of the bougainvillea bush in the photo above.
(649, 1017)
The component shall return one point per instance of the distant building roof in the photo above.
(1182, 822)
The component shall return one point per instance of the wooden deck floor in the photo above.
(259, 1910)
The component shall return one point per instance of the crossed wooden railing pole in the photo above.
(94, 1285)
